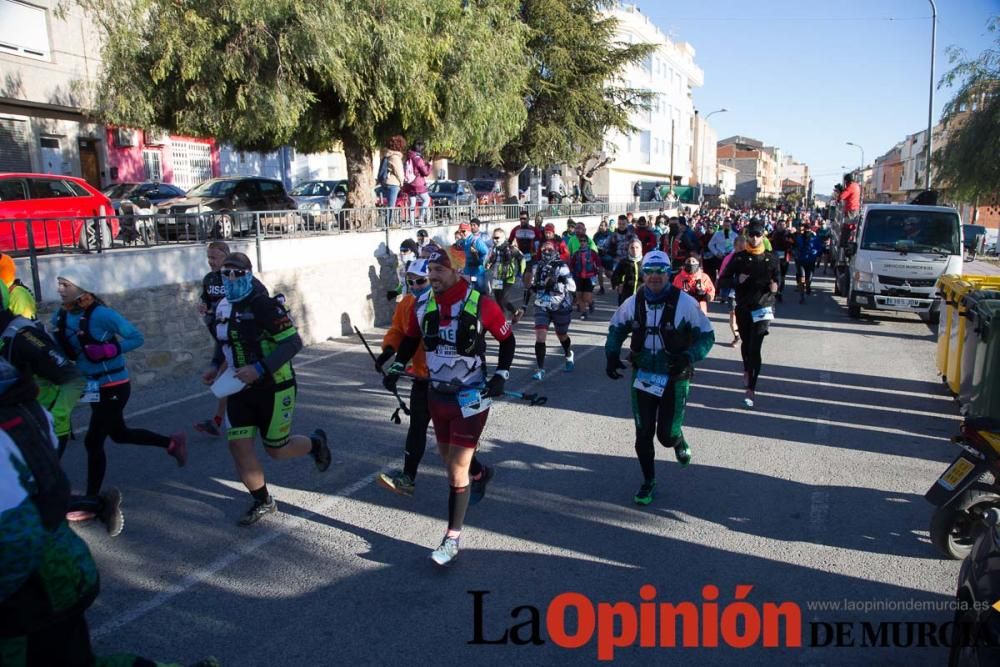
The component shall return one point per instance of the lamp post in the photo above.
(701, 163)
(862, 168)
(930, 101)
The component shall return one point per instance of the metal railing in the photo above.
(132, 228)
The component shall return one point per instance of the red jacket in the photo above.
(421, 170)
(851, 196)
(648, 238)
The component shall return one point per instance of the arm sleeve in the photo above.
(494, 320)
(42, 358)
(505, 355)
(286, 350)
(274, 318)
(113, 321)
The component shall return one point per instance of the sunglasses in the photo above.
(657, 270)
(754, 234)
(418, 281)
(497, 239)
(233, 274)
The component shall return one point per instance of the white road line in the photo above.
(225, 561)
(203, 394)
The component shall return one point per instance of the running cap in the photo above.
(417, 267)
(79, 275)
(655, 259)
(465, 227)
(238, 260)
(439, 257)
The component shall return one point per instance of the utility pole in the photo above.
(930, 102)
(672, 134)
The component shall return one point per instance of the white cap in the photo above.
(80, 275)
(417, 267)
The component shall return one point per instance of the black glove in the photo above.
(389, 381)
(614, 365)
(494, 387)
(391, 295)
(386, 355)
(679, 365)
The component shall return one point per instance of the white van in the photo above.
(897, 256)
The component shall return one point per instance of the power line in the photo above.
(824, 19)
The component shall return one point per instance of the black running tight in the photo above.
(751, 340)
(107, 419)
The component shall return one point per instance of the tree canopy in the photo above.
(966, 163)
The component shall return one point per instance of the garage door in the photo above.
(15, 154)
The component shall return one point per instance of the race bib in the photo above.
(651, 383)
(472, 402)
(91, 392)
(497, 284)
(763, 314)
(544, 301)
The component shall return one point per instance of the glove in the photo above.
(391, 295)
(494, 387)
(391, 377)
(679, 365)
(101, 351)
(614, 365)
(386, 355)
(550, 285)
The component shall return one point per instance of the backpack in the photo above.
(409, 174)
(583, 264)
(383, 171)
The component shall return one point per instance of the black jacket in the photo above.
(755, 291)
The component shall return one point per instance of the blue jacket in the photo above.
(105, 322)
(476, 251)
(808, 248)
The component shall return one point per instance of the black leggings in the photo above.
(784, 271)
(751, 339)
(107, 419)
(660, 416)
(416, 436)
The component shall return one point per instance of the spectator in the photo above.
(394, 174)
(415, 172)
(636, 194)
(851, 196)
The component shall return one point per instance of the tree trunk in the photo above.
(510, 180)
(360, 202)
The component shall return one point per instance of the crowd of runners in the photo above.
(664, 272)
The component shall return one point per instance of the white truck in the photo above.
(892, 258)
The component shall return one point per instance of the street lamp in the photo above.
(850, 143)
(930, 102)
(701, 163)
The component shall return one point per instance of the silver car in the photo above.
(320, 202)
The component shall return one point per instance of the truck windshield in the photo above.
(935, 232)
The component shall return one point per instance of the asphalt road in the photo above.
(816, 495)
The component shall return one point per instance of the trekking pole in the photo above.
(395, 392)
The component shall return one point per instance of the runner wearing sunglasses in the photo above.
(258, 340)
(505, 264)
(669, 334)
(755, 274)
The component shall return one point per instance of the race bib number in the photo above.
(91, 392)
(651, 383)
(497, 284)
(544, 301)
(472, 402)
(762, 314)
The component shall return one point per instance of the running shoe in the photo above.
(178, 448)
(538, 375)
(257, 511)
(748, 401)
(111, 512)
(397, 482)
(208, 427)
(321, 455)
(570, 365)
(644, 495)
(683, 452)
(583, 316)
(478, 489)
(447, 552)
(518, 314)
(736, 340)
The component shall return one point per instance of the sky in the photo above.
(809, 77)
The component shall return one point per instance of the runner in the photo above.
(212, 293)
(524, 236)
(621, 239)
(720, 245)
(97, 337)
(627, 276)
(808, 249)
(669, 335)
(602, 239)
(783, 243)
(549, 234)
(553, 286)
(755, 275)
(693, 282)
(452, 321)
(22, 301)
(259, 340)
(476, 250)
(505, 264)
(727, 290)
(684, 245)
(825, 236)
(645, 234)
(585, 265)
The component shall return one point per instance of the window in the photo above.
(269, 188)
(24, 30)
(48, 188)
(192, 163)
(151, 166)
(77, 189)
(12, 190)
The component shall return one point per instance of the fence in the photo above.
(132, 228)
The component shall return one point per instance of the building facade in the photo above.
(662, 148)
(704, 163)
(757, 170)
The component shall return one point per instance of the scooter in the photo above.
(975, 639)
(967, 489)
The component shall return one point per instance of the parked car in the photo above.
(488, 190)
(319, 202)
(453, 194)
(65, 211)
(150, 191)
(220, 208)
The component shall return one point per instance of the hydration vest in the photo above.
(14, 327)
(583, 264)
(83, 335)
(468, 334)
(673, 341)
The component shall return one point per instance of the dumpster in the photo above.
(970, 344)
(956, 341)
(985, 393)
(946, 288)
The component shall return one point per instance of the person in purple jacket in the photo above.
(415, 172)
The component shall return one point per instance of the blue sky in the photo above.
(809, 76)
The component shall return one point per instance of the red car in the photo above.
(58, 206)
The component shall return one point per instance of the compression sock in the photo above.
(565, 344)
(458, 503)
(475, 468)
(261, 495)
(540, 354)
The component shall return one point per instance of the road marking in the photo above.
(203, 394)
(225, 561)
